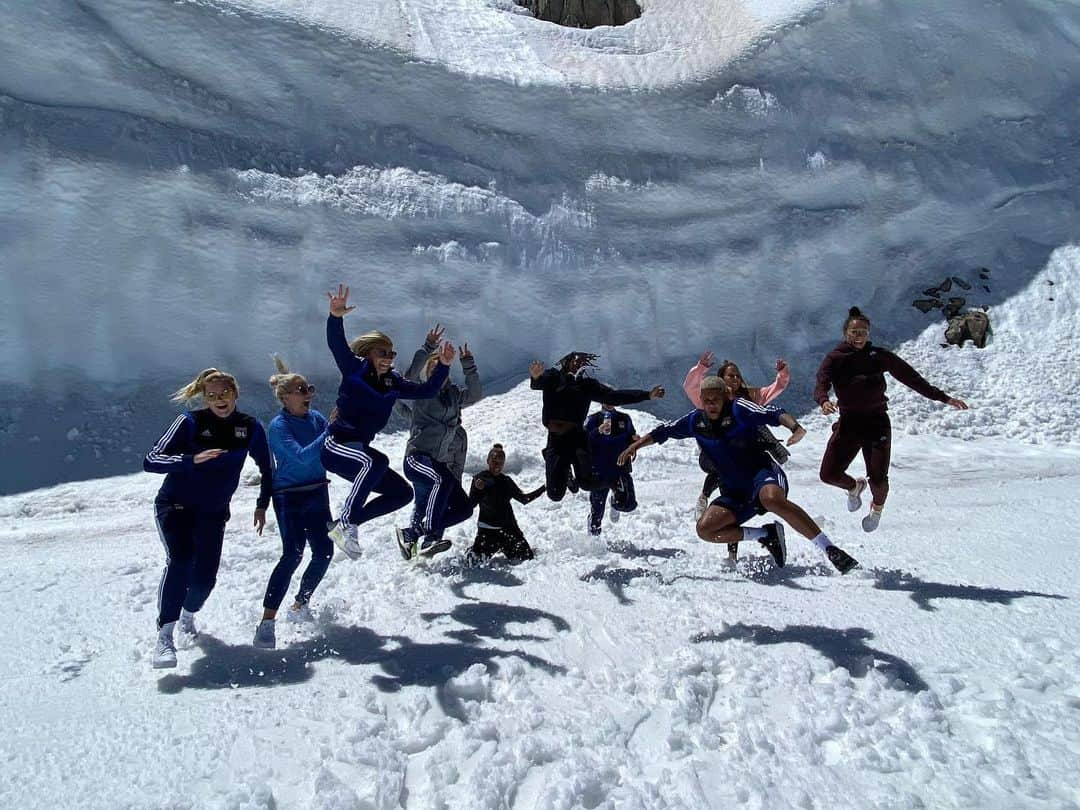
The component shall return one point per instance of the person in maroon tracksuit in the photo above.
(856, 370)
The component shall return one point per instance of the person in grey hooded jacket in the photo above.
(435, 453)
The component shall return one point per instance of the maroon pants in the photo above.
(872, 434)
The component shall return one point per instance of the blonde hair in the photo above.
(284, 381)
(429, 365)
(196, 387)
(369, 340)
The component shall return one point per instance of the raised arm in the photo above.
(406, 389)
(347, 362)
(692, 384)
(541, 380)
(598, 392)
(473, 389)
(768, 393)
(431, 343)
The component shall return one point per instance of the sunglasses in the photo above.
(383, 354)
(303, 389)
(213, 396)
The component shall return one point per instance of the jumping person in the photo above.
(369, 387)
(435, 453)
(301, 500)
(729, 372)
(610, 431)
(856, 368)
(201, 454)
(568, 390)
(497, 529)
(751, 483)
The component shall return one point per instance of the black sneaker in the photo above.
(843, 561)
(571, 484)
(406, 542)
(775, 544)
(732, 550)
(430, 546)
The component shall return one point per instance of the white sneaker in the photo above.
(264, 635)
(871, 521)
(165, 649)
(344, 536)
(300, 615)
(186, 625)
(854, 497)
(613, 514)
(700, 507)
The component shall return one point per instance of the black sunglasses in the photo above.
(303, 389)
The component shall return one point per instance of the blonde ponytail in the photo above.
(196, 387)
(284, 381)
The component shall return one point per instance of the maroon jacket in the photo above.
(858, 375)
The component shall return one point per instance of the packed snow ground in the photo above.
(636, 672)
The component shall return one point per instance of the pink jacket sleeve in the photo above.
(692, 384)
(768, 393)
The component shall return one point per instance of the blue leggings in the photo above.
(369, 470)
(440, 501)
(192, 539)
(302, 519)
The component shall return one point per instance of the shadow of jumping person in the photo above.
(846, 648)
(490, 620)
(923, 592)
(239, 666)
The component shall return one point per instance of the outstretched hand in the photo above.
(657, 392)
(796, 436)
(959, 404)
(629, 454)
(536, 368)
(465, 353)
(339, 302)
(260, 521)
(781, 364)
(435, 334)
(446, 353)
(207, 455)
(828, 407)
(707, 359)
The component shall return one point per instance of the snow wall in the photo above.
(181, 182)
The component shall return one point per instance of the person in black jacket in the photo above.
(568, 391)
(201, 455)
(497, 529)
(855, 369)
(610, 431)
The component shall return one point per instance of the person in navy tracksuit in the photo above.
(201, 454)
(752, 483)
(301, 500)
(369, 387)
(610, 431)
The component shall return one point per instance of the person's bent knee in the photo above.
(772, 497)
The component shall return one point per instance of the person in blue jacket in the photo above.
(301, 500)
(366, 396)
(201, 454)
(610, 431)
(726, 428)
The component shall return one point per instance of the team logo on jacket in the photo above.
(206, 434)
(241, 432)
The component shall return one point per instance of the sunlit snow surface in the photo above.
(181, 182)
(636, 672)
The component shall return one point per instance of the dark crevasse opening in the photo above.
(583, 13)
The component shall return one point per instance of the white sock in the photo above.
(822, 541)
(753, 533)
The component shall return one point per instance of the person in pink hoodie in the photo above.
(730, 374)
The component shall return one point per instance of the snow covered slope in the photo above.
(634, 673)
(179, 183)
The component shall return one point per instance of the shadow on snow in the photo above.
(923, 592)
(846, 648)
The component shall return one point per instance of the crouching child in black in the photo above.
(497, 529)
